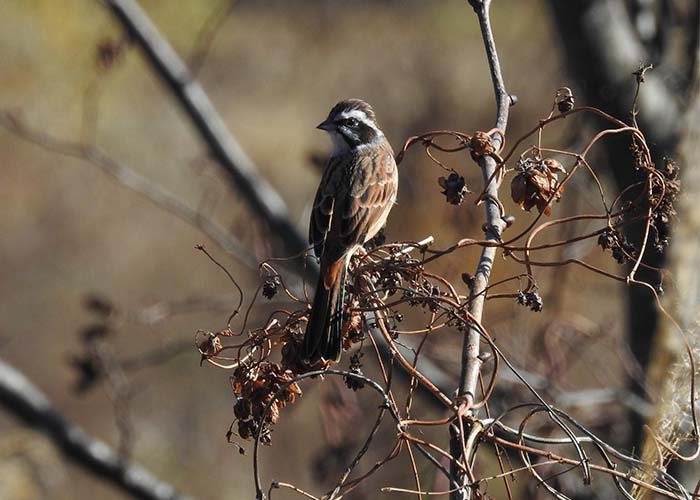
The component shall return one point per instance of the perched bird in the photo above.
(354, 198)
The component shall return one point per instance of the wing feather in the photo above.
(370, 198)
(352, 202)
(324, 204)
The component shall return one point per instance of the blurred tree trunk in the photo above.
(669, 371)
(605, 41)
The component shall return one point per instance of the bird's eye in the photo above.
(352, 122)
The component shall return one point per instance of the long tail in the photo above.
(324, 332)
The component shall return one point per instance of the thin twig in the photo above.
(131, 179)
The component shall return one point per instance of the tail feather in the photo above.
(324, 332)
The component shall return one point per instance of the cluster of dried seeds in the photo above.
(537, 184)
(454, 188)
(663, 196)
(613, 240)
(255, 388)
(533, 300)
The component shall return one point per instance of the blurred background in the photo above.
(82, 257)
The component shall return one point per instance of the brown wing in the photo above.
(322, 211)
(370, 198)
(352, 202)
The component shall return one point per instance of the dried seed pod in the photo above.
(480, 145)
(255, 387)
(554, 165)
(564, 99)
(454, 187)
(242, 409)
(518, 190)
(536, 184)
(533, 300)
(355, 367)
(613, 240)
(269, 288)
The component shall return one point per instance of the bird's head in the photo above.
(352, 125)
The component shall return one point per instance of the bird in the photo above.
(357, 191)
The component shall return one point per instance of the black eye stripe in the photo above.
(349, 122)
(355, 136)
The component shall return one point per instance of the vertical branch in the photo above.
(494, 222)
(471, 362)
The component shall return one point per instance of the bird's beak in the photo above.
(326, 125)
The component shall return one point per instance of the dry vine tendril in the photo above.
(389, 281)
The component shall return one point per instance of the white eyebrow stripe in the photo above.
(361, 116)
(354, 113)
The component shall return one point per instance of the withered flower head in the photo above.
(255, 388)
(536, 184)
(564, 99)
(613, 240)
(533, 300)
(208, 344)
(269, 288)
(355, 367)
(665, 190)
(454, 187)
(481, 145)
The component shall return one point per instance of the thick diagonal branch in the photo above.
(26, 402)
(239, 168)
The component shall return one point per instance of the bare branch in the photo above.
(134, 181)
(494, 222)
(471, 361)
(26, 402)
(241, 171)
